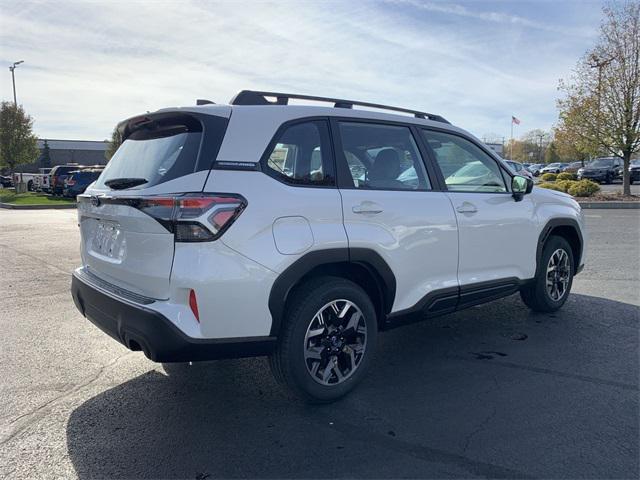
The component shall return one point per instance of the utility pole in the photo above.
(12, 69)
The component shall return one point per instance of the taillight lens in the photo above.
(193, 217)
(71, 182)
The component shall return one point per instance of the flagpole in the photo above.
(511, 142)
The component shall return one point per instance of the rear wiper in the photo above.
(122, 183)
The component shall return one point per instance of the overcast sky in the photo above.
(89, 65)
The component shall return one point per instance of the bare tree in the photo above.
(602, 100)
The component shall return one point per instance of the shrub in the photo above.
(567, 176)
(550, 186)
(565, 185)
(583, 188)
(549, 177)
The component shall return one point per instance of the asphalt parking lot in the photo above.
(494, 391)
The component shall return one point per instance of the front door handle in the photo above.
(367, 207)
(466, 207)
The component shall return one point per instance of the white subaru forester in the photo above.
(299, 231)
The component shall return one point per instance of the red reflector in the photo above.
(221, 218)
(193, 303)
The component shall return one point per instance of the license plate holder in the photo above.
(106, 239)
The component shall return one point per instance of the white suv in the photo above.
(299, 232)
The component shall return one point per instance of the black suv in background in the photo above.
(634, 171)
(605, 170)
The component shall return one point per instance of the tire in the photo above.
(313, 327)
(537, 296)
(607, 179)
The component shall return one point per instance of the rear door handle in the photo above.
(367, 207)
(466, 207)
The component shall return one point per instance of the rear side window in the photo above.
(156, 152)
(301, 155)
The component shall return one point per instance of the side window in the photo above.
(301, 155)
(464, 165)
(382, 157)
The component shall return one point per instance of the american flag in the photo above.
(515, 120)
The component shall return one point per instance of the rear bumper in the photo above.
(140, 328)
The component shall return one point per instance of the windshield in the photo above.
(601, 163)
(155, 160)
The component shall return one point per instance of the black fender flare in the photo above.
(546, 231)
(291, 276)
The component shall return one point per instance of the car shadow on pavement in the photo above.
(494, 391)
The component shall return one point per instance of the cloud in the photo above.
(89, 65)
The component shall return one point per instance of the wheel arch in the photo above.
(568, 229)
(363, 266)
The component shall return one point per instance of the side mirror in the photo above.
(520, 186)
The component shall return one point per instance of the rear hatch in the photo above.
(125, 216)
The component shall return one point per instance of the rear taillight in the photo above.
(193, 217)
(71, 182)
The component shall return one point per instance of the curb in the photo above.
(11, 206)
(611, 205)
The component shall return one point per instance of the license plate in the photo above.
(107, 239)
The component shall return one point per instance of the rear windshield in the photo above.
(64, 170)
(157, 153)
(85, 176)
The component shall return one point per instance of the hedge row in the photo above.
(581, 188)
(552, 177)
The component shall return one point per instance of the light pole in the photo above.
(540, 159)
(598, 62)
(13, 79)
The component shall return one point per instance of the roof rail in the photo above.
(251, 97)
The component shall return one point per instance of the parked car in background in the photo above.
(203, 208)
(78, 181)
(634, 171)
(6, 181)
(29, 179)
(59, 174)
(605, 170)
(43, 180)
(573, 167)
(553, 168)
(534, 168)
(519, 168)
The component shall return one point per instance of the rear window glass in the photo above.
(157, 153)
(85, 176)
(64, 170)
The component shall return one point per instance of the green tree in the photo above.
(601, 103)
(570, 145)
(45, 157)
(18, 144)
(551, 154)
(114, 143)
